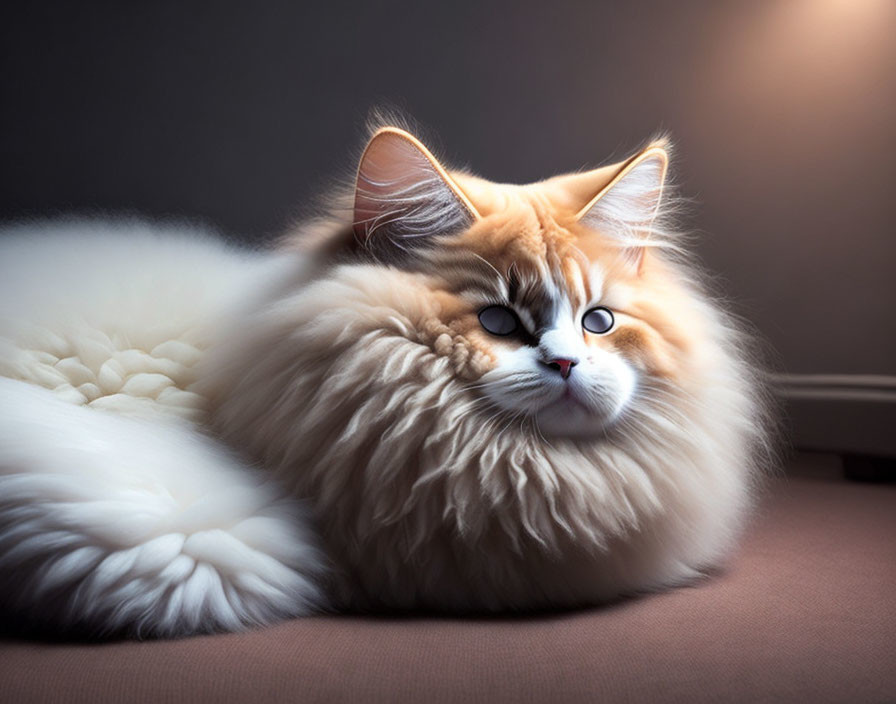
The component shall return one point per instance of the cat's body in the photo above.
(426, 499)
(355, 374)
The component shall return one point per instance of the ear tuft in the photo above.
(634, 195)
(404, 196)
(628, 206)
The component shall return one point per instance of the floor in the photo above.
(806, 612)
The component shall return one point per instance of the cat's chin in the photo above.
(569, 418)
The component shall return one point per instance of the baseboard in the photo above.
(846, 413)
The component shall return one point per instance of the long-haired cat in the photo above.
(452, 395)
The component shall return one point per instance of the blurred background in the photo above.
(238, 114)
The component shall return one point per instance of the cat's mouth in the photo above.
(582, 408)
(570, 399)
(572, 413)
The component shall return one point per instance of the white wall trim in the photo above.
(853, 413)
(877, 388)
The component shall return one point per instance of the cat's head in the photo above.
(556, 286)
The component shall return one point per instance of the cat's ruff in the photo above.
(427, 499)
(351, 373)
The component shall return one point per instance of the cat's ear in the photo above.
(404, 196)
(625, 199)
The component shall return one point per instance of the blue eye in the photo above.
(598, 320)
(498, 320)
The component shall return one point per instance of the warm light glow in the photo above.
(794, 72)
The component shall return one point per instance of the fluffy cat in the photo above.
(452, 394)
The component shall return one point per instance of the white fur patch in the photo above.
(599, 387)
(118, 525)
(135, 525)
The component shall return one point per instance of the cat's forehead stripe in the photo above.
(573, 282)
(523, 285)
(596, 279)
(467, 271)
(576, 286)
(536, 292)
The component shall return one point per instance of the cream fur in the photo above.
(426, 498)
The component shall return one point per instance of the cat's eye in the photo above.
(598, 320)
(498, 320)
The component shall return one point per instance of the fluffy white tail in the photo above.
(117, 525)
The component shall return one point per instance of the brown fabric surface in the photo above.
(807, 612)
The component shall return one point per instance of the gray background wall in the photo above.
(784, 114)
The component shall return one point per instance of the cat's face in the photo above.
(549, 282)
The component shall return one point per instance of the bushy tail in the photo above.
(112, 525)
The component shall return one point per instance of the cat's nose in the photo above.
(562, 365)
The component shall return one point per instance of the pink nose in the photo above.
(563, 365)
